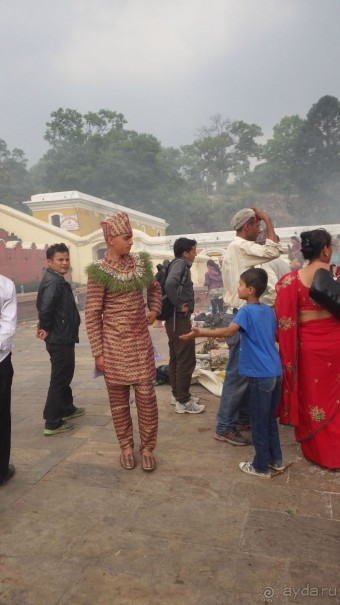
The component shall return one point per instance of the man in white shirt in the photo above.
(8, 322)
(274, 269)
(242, 254)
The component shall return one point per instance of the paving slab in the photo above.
(76, 529)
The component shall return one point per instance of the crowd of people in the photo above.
(298, 380)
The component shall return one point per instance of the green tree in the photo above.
(302, 161)
(281, 155)
(94, 153)
(104, 121)
(15, 183)
(70, 126)
(66, 126)
(319, 144)
(221, 153)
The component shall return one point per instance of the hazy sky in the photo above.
(167, 65)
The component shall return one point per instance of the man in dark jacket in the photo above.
(58, 326)
(180, 291)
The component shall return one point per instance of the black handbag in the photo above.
(326, 291)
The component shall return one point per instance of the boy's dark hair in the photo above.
(183, 244)
(51, 251)
(257, 278)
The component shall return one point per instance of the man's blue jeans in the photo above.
(264, 399)
(234, 403)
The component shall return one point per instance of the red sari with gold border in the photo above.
(310, 353)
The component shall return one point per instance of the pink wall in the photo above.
(22, 265)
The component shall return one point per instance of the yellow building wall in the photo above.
(83, 251)
(89, 221)
(148, 229)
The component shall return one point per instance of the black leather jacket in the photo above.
(57, 309)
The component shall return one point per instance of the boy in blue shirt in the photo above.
(260, 361)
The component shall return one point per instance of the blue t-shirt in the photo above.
(259, 357)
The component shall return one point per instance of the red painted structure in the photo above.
(21, 264)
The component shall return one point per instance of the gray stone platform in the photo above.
(76, 529)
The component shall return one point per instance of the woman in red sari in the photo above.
(309, 339)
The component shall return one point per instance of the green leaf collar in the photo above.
(137, 279)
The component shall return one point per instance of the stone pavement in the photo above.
(76, 529)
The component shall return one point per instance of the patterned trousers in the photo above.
(147, 414)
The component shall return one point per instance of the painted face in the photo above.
(121, 244)
(60, 263)
(191, 254)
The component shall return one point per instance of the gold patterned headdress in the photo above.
(117, 224)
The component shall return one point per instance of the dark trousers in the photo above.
(217, 305)
(182, 357)
(59, 400)
(6, 377)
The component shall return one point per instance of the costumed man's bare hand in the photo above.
(99, 363)
(150, 317)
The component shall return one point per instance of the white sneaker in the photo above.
(174, 400)
(277, 466)
(247, 467)
(190, 407)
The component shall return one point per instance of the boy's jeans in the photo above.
(264, 399)
(234, 403)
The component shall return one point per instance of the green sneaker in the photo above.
(77, 412)
(63, 428)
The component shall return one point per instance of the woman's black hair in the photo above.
(312, 242)
(211, 263)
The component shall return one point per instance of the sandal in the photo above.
(148, 461)
(127, 461)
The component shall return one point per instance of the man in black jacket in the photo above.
(58, 326)
(180, 291)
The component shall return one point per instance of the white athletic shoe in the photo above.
(277, 466)
(247, 467)
(174, 401)
(190, 407)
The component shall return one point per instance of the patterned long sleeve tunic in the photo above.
(115, 317)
